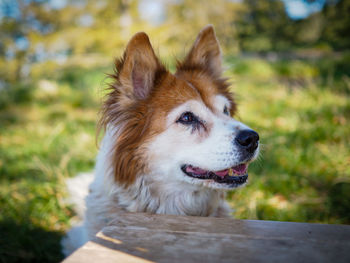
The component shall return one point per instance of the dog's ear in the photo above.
(204, 54)
(138, 68)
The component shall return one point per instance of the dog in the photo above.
(170, 145)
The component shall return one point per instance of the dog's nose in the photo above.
(248, 139)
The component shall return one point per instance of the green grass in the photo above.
(301, 110)
(303, 173)
(45, 139)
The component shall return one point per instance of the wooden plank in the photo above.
(137, 237)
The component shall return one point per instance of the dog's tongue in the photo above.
(195, 170)
(222, 173)
(240, 169)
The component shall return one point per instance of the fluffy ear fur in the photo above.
(205, 53)
(136, 74)
(138, 69)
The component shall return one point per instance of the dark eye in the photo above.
(226, 111)
(187, 118)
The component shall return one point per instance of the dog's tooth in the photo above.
(230, 172)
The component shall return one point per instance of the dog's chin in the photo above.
(229, 178)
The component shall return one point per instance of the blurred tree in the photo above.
(308, 31)
(37, 37)
(264, 25)
(337, 24)
(187, 17)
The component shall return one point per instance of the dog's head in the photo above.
(177, 127)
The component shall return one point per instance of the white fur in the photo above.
(77, 187)
(166, 189)
(177, 145)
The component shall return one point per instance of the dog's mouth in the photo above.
(233, 177)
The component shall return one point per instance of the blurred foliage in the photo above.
(303, 174)
(264, 26)
(291, 79)
(44, 140)
(36, 39)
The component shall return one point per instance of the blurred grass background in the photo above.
(289, 62)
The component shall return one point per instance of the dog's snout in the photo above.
(248, 139)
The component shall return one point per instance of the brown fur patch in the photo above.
(202, 68)
(139, 108)
(205, 54)
(208, 86)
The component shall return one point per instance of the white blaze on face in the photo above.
(211, 148)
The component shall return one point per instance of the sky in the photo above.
(299, 9)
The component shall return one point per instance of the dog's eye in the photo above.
(226, 111)
(187, 118)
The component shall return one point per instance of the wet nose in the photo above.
(248, 139)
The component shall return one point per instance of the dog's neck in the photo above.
(172, 198)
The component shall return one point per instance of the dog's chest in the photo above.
(170, 199)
